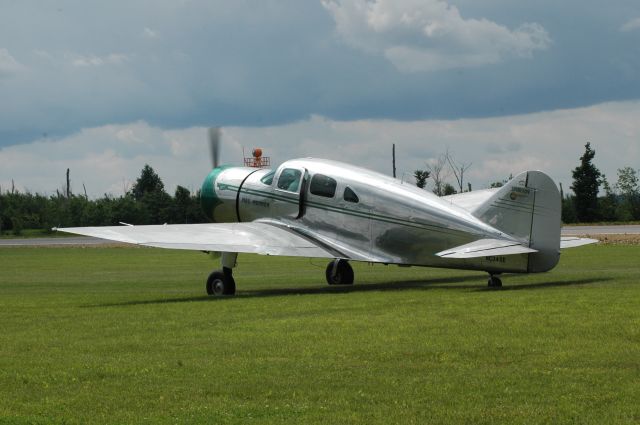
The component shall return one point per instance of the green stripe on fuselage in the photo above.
(340, 210)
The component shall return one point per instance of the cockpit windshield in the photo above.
(268, 178)
(289, 179)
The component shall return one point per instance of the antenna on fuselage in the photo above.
(256, 160)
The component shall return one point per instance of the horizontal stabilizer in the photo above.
(486, 248)
(572, 242)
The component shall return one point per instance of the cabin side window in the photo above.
(350, 195)
(322, 185)
(268, 178)
(289, 179)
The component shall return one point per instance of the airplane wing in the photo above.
(255, 237)
(572, 242)
(485, 248)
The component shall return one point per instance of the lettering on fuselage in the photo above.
(255, 202)
(496, 259)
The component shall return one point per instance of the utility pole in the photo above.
(68, 184)
(393, 155)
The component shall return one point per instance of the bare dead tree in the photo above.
(458, 169)
(393, 155)
(438, 173)
(125, 187)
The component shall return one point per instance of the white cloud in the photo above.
(150, 34)
(93, 60)
(633, 24)
(109, 158)
(8, 64)
(430, 35)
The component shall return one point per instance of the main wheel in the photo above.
(220, 284)
(339, 272)
(494, 282)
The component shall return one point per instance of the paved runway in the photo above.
(85, 240)
(72, 241)
(600, 230)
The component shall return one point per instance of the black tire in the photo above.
(495, 282)
(218, 284)
(339, 272)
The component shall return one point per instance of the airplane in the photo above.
(322, 208)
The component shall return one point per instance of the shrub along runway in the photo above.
(125, 335)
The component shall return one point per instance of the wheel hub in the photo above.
(218, 287)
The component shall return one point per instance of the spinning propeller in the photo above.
(214, 145)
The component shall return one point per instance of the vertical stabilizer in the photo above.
(528, 208)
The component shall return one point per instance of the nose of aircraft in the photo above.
(208, 197)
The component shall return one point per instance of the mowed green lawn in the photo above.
(126, 335)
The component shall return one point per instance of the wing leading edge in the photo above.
(257, 238)
(573, 242)
(486, 247)
(490, 247)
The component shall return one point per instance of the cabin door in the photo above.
(288, 201)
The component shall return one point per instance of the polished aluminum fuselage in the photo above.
(392, 222)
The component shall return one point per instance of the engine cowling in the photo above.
(219, 194)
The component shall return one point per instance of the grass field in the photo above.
(125, 335)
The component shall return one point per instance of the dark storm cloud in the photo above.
(70, 65)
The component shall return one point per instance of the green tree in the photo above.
(627, 181)
(448, 189)
(608, 203)
(148, 182)
(586, 184)
(155, 203)
(498, 184)
(568, 210)
(421, 177)
(628, 187)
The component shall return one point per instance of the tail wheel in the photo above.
(339, 272)
(494, 282)
(220, 283)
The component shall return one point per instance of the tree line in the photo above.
(146, 203)
(619, 202)
(594, 198)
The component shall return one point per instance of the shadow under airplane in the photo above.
(422, 284)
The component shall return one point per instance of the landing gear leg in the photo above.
(494, 281)
(339, 272)
(221, 282)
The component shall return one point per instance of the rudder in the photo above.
(528, 208)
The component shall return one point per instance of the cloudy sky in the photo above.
(105, 87)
